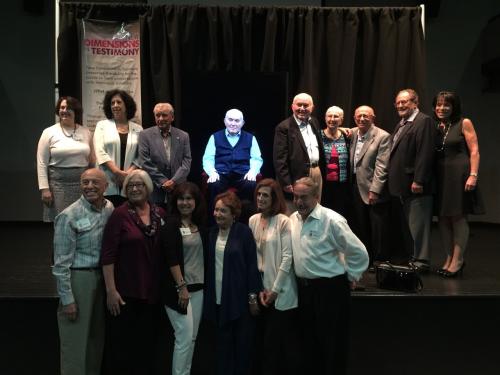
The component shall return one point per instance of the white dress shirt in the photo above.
(319, 242)
(309, 139)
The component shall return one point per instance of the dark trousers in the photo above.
(235, 342)
(337, 196)
(371, 224)
(244, 189)
(277, 342)
(324, 306)
(401, 239)
(132, 338)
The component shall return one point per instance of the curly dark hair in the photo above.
(452, 99)
(278, 205)
(73, 104)
(231, 200)
(200, 213)
(130, 105)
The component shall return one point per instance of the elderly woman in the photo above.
(130, 259)
(183, 240)
(115, 142)
(64, 152)
(336, 190)
(457, 173)
(271, 230)
(232, 286)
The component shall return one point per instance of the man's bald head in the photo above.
(93, 183)
(302, 106)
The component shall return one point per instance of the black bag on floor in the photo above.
(401, 278)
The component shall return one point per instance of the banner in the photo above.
(110, 60)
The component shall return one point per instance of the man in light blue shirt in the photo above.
(77, 250)
(232, 159)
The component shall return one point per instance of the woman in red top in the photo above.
(130, 259)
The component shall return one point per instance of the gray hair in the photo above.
(336, 109)
(310, 183)
(143, 175)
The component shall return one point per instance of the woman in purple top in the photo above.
(130, 259)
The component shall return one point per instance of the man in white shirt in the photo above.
(298, 148)
(328, 260)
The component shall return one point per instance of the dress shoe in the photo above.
(441, 271)
(458, 272)
(421, 266)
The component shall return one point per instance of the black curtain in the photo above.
(341, 56)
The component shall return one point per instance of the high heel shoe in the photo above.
(458, 272)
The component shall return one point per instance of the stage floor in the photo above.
(26, 254)
(450, 327)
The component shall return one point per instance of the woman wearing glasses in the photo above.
(130, 259)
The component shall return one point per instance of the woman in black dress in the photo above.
(457, 174)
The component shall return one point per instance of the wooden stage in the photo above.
(451, 327)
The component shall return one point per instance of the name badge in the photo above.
(185, 231)
(82, 224)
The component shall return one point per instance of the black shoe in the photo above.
(458, 272)
(421, 266)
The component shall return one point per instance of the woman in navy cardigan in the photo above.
(232, 283)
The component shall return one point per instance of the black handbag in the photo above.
(401, 278)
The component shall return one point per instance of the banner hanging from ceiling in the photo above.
(110, 57)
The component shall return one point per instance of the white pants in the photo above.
(185, 329)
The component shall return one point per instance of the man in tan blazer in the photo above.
(369, 157)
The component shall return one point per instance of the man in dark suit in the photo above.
(298, 149)
(369, 158)
(411, 175)
(165, 153)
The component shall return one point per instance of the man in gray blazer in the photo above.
(369, 157)
(164, 153)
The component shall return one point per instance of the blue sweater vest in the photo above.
(229, 159)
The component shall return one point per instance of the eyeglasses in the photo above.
(138, 185)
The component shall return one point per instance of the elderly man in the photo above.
(165, 153)
(77, 250)
(411, 170)
(369, 158)
(298, 149)
(328, 260)
(232, 159)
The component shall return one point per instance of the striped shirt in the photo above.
(78, 234)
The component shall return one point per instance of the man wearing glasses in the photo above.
(410, 176)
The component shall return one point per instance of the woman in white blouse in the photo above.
(271, 230)
(64, 152)
(115, 142)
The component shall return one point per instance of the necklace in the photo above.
(71, 135)
(192, 227)
(447, 127)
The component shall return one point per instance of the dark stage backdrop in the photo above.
(341, 56)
